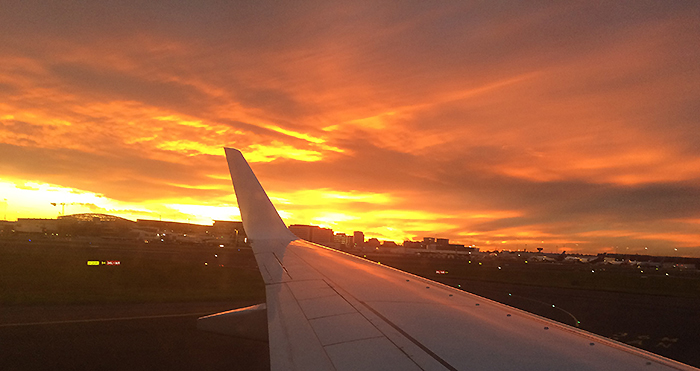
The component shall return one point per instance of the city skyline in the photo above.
(502, 124)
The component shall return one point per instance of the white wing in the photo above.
(328, 310)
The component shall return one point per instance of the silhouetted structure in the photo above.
(359, 238)
(312, 233)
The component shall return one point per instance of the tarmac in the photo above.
(164, 335)
(122, 337)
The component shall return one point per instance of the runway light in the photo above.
(205, 263)
(552, 305)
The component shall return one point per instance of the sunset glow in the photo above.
(572, 126)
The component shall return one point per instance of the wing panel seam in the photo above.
(354, 340)
(282, 265)
(394, 326)
(421, 346)
(409, 337)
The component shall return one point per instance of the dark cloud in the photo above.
(7, 89)
(110, 85)
(21, 127)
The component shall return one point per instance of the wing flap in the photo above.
(248, 323)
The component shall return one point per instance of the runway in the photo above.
(164, 336)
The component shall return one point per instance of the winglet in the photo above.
(260, 218)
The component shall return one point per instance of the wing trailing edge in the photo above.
(247, 323)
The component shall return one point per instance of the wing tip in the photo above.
(260, 217)
(232, 151)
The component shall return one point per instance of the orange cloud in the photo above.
(457, 120)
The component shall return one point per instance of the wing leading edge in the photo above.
(328, 310)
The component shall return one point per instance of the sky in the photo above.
(572, 126)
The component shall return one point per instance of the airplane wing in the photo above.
(328, 310)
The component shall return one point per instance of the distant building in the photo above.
(29, 225)
(343, 241)
(323, 236)
(442, 243)
(312, 233)
(359, 238)
(301, 231)
(373, 242)
(413, 244)
(173, 227)
(340, 238)
(94, 224)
